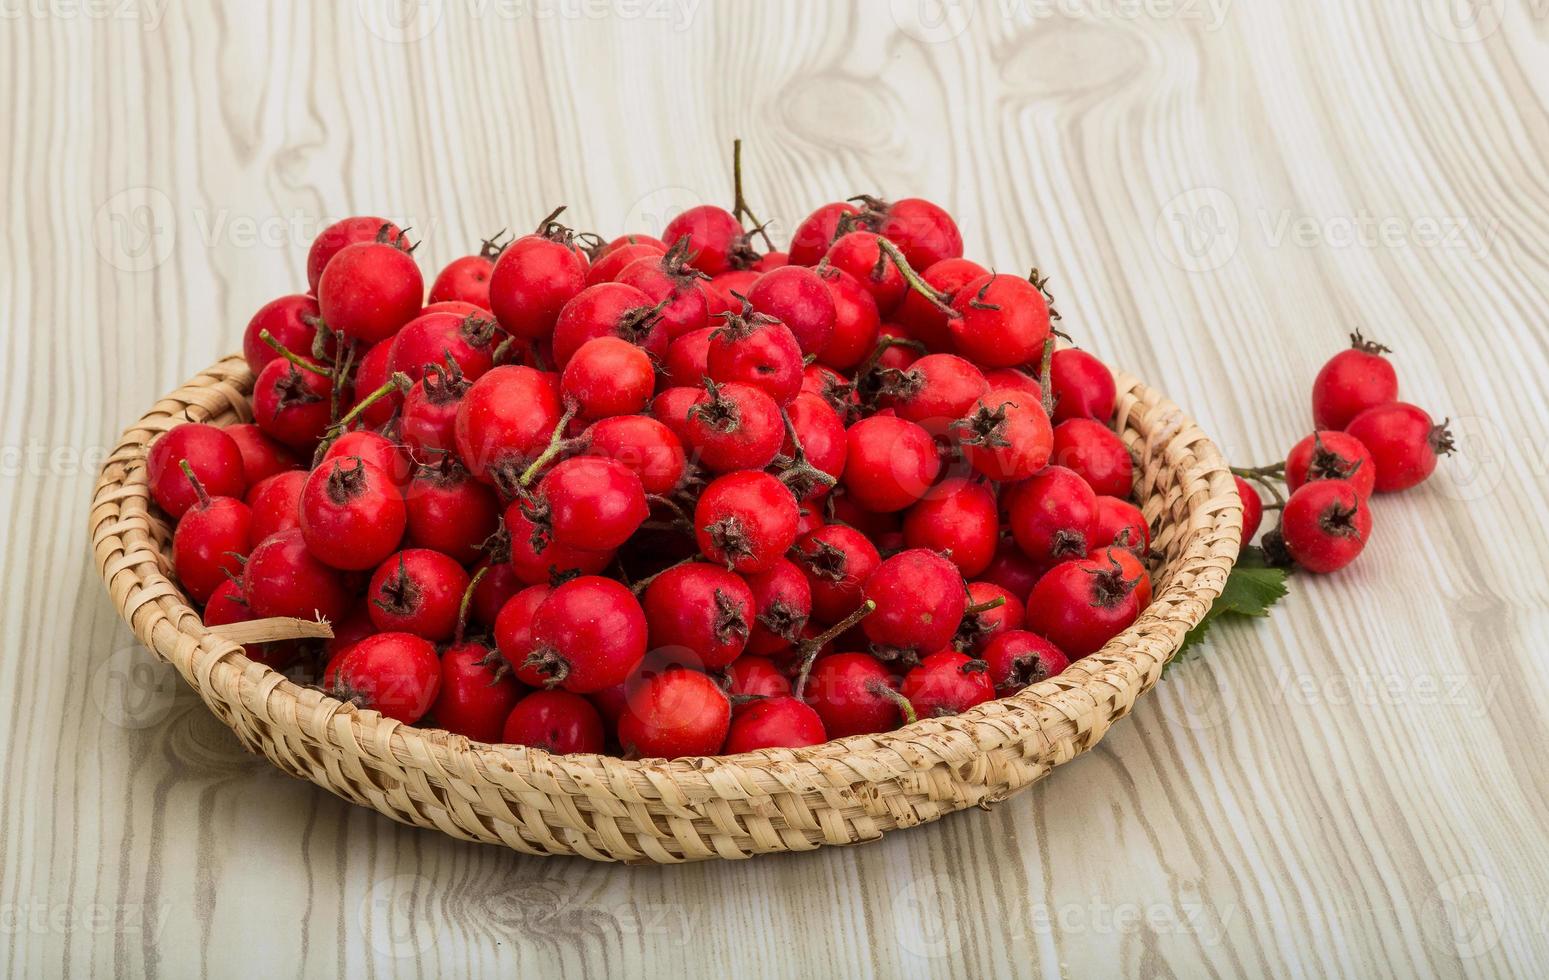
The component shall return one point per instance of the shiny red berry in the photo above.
(745, 520)
(282, 578)
(555, 721)
(352, 515)
(702, 612)
(1404, 444)
(587, 634)
(674, 714)
(214, 456)
(417, 591)
(1017, 658)
(920, 601)
(890, 463)
(1331, 455)
(1351, 382)
(475, 696)
(1325, 525)
(947, 683)
(397, 674)
(774, 723)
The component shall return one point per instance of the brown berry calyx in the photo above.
(985, 426)
(837, 392)
(1440, 438)
(551, 228)
(1027, 669)
(293, 389)
(827, 561)
(901, 385)
(730, 623)
(399, 595)
(904, 658)
(732, 539)
(497, 547)
(675, 265)
(971, 632)
(636, 324)
(719, 413)
(1338, 519)
(446, 470)
(874, 210)
(1327, 464)
(744, 323)
(1109, 586)
(1360, 343)
(479, 331)
(400, 241)
(497, 665)
(1041, 283)
(548, 663)
(345, 484)
(492, 246)
(1069, 544)
(783, 620)
(978, 302)
(444, 385)
(536, 510)
(341, 690)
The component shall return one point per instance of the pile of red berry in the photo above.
(1364, 440)
(666, 497)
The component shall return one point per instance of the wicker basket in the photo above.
(844, 792)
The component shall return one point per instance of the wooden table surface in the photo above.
(1222, 191)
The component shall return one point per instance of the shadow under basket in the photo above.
(847, 791)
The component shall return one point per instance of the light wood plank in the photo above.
(1354, 787)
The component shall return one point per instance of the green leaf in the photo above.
(1251, 589)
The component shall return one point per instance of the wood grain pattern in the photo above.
(1356, 786)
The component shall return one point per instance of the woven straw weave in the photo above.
(844, 792)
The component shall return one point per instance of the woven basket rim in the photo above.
(221, 672)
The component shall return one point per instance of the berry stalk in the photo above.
(809, 649)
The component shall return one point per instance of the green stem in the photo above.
(1264, 477)
(672, 505)
(897, 698)
(913, 278)
(810, 648)
(555, 447)
(1045, 377)
(986, 606)
(645, 583)
(467, 604)
(342, 368)
(399, 382)
(292, 356)
(199, 491)
(740, 207)
(801, 467)
(1254, 472)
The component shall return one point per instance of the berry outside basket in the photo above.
(847, 791)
